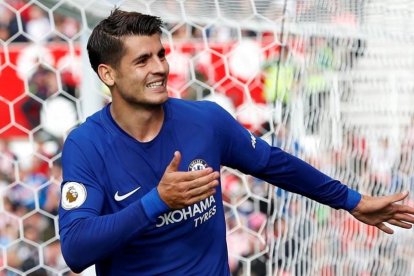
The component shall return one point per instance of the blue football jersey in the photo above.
(112, 216)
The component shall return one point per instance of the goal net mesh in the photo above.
(328, 81)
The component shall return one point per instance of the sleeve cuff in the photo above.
(352, 200)
(153, 204)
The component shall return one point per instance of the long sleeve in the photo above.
(292, 174)
(251, 155)
(88, 239)
(87, 234)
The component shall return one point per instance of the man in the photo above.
(145, 169)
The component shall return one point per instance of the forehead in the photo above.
(136, 45)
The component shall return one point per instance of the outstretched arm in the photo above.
(288, 172)
(377, 210)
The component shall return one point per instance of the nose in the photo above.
(160, 66)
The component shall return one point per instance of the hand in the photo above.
(377, 210)
(181, 189)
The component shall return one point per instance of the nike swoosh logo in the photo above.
(122, 197)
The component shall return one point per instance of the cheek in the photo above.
(139, 77)
(167, 67)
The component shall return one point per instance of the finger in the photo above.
(404, 209)
(384, 228)
(404, 217)
(204, 188)
(203, 180)
(193, 175)
(175, 162)
(203, 196)
(187, 177)
(400, 223)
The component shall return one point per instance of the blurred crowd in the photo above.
(263, 223)
(30, 168)
(30, 193)
(33, 23)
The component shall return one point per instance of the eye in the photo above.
(161, 54)
(141, 61)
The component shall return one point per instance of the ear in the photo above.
(107, 74)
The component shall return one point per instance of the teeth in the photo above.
(155, 84)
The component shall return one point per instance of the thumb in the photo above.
(175, 162)
(398, 197)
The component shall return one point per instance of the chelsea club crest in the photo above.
(197, 165)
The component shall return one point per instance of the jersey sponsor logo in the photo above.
(199, 212)
(253, 139)
(73, 195)
(122, 197)
(197, 165)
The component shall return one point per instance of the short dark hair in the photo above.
(105, 45)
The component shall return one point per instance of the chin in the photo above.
(154, 102)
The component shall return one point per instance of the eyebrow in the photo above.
(142, 57)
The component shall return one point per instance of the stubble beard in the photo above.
(147, 104)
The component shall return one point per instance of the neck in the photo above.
(142, 122)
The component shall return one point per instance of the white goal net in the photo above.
(328, 81)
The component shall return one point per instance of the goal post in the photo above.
(327, 81)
